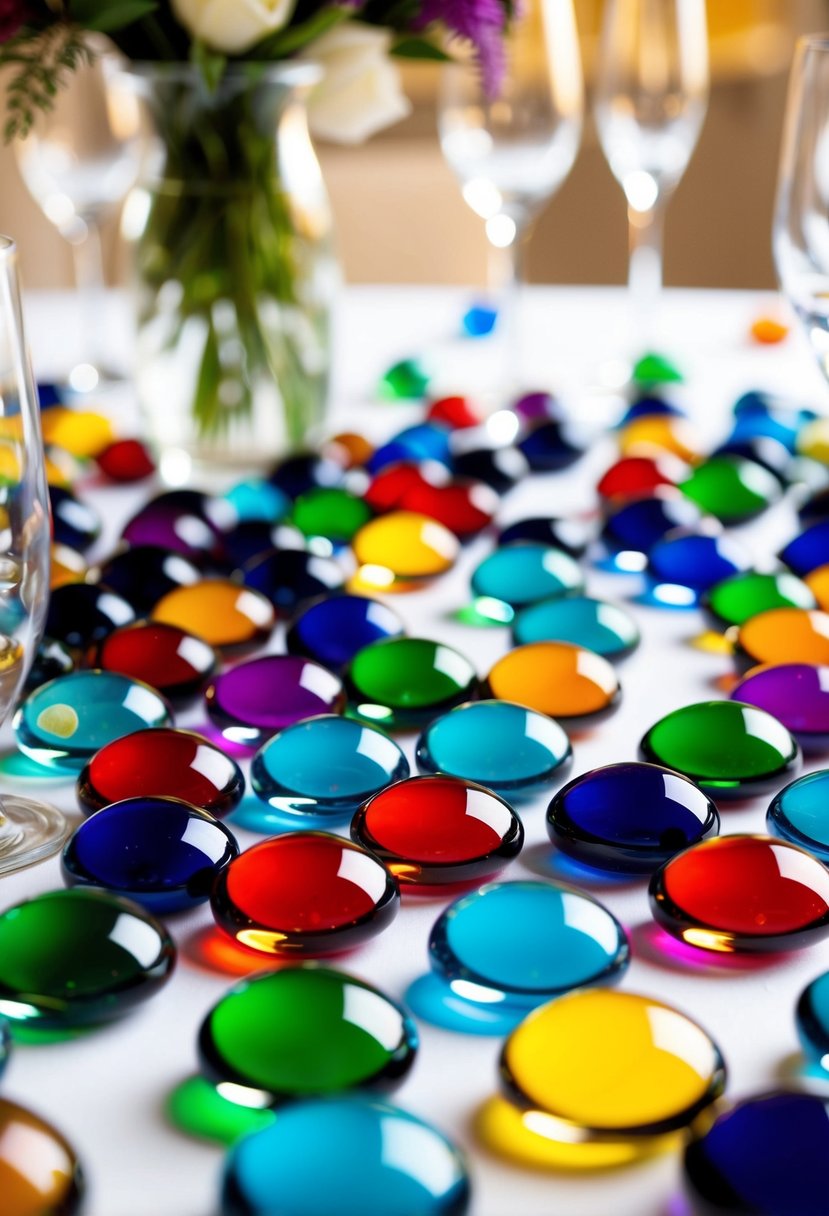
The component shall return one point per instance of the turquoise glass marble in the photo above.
(812, 1021)
(606, 629)
(524, 574)
(326, 766)
(508, 947)
(258, 501)
(63, 723)
(353, 1156)
(506, 747)
(800, 813)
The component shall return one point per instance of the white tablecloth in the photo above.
(107, 1090)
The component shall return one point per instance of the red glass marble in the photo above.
(743, 893)
(439, 831)
(175, 662)
(457, 412)
(465, 507)
(161, 763)
(304, 893)
(637, 476)
(388, 488)
(125, 460)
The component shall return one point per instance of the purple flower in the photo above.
(481, 22)
(13, 15)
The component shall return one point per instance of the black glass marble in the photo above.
(74, 523)
(290, 578)
(499, 468)
(651, 407)
(143, 575)
(253, 537)
(304, 471)
(637, 526)
(815, 508)
(571, 535)
(763, 450)
(551, 446)
(81, 614)
(52, 659)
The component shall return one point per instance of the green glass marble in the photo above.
(742, 596)
(402, 683)
(77, 957)
(731, 488)
(405, 381)
(654, 368)
(731, 750)
(330, 512)
(306, 1031)
(209, 1112)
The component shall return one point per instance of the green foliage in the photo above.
(419, 48)
(210, 63)
(295, 38)
(40, 61)
(106, 16)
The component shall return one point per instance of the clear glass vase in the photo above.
(234, 270)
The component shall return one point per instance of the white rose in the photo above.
(232, 26)
(360, 92)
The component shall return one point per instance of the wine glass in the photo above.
(29, 830)
(800, 234)
(511, 152)
(650, 100)
(79, 162)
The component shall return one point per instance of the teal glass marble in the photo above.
(811, 1018)
(353, 1156)
(606, 629)
(326, 766)
(800, 813)
(524, 574)
(62, 724)
(258, 501)
(508, 947)
(512, 750)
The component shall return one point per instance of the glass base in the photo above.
(29, 832)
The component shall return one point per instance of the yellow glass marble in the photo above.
(79, 432)
(529, 1138)
(818, 583)
(657, 433)
(813, 440)
(611, 1064)
(67, 567)
(403, 546)
(219, 611)
(556, 678)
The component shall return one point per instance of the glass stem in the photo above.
(506, 280)
(89, 281)
(645, 269)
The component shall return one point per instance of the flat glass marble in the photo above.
(331, 512)
(82, 614)
(423, 441)
(571, 535)
(125, 461)
(388, 488)
(252, 538)
(818, 584)
(304, 893)
(161, 763)
(510, 749)
(39, 1171)
(662, 435)
(74, 523)
(439, 831)
(730, 749)
(166, 657)
(606, 629)
(766, 1156)
(306, 1031)
(524, 574)
(731, 488)
(208, 1112)
(635, 526)
(808, 550)
(797, 694)
(500, 468)
(800, 813)
(335, 629)
(348, 449)
(63, 723)
(509, 947)
(557, 679)
(182, 521)
(401, 683)
(637, 476)
(250, 702)
(743, 893)
(456, 412)
(604, 1062)
(812, 1021)
(220, 612)
(258, 501)
(145, 574)
(463, 506)
(325, 766)
(629, 817)
(334, 1156)
(160, 852)
(404, 546)
(291, 578)
(696, 562)
(297, 474)
(552, 445)
(737, 599)
(79, 957)
(52, 659)
(784, 635)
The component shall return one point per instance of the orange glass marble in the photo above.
(39, 1172)
(818, 583)
(768, 330)
(556, 678)
(348, 449)
(785, 635)
(657, 433)
(403, 547)
(67, 567)
(219, 611)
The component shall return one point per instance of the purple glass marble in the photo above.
(251, 702)
(797, 694)
(537, 407)
(183, 521)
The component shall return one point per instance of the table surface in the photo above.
(107, 1090)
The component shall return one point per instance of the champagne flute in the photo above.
(78, 163)
(29, 830)
(513, 151)
(650, 101)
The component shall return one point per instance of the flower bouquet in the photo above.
(234, 265)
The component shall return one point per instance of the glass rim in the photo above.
(7, 247)
(287, 71)
(813, 42)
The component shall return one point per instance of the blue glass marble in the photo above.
(815, 507)
(763, 450)
(501, 468)
(808, 550)
(333, 630)
(48, 394)
(608, 629)
(650, 407)
(354, 1155)
(424, 441)
(508, 947)
(290, 578)
(811, 1018)
(259, 501)
(74, 523)
(524, 574)
(630, 817)
(766, 1156)
(144, 574)
(800, 813)
(636, 526)
(325, 766)
(571, 535)
(693, 562)
(479, 320)
(81, 614)
(552, 445)
(763, 414)
(63, 723)
(508, 748)
(161, 852)
(296, 474)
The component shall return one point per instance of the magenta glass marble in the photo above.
(797, 694)
(251, 702)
